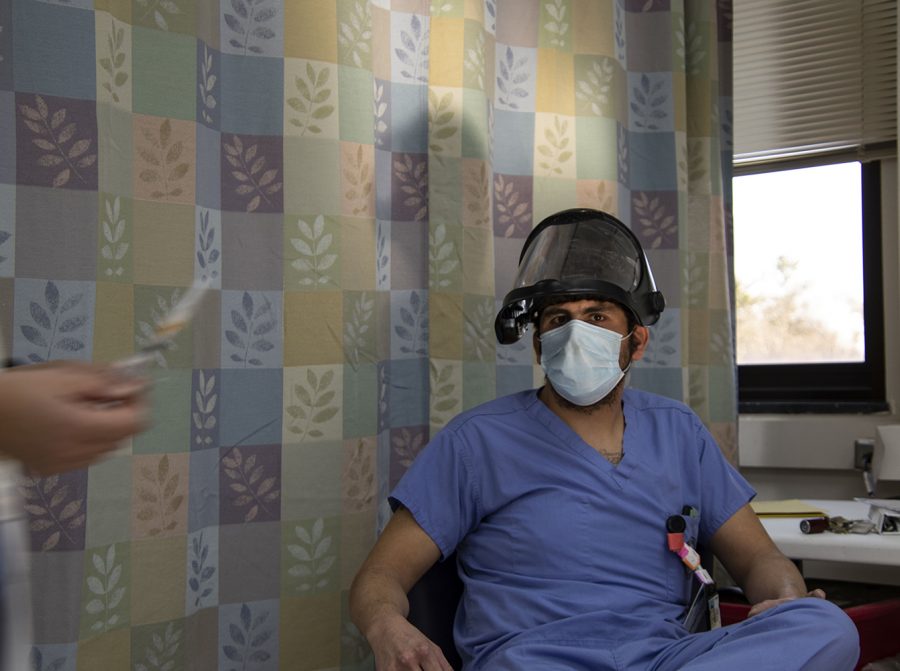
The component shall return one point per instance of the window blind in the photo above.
(814, 77)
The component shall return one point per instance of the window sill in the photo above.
(813, 407)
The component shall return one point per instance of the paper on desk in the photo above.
(786, 508)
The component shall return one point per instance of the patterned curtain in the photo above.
(356, 180)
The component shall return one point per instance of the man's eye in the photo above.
(596, 317)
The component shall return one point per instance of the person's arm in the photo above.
(61, 416)
(756, 564)
(378, 603)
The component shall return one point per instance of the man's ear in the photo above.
(640, 340)
(536, 344)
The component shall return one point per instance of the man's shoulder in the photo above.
(498, 407)
(650, 402)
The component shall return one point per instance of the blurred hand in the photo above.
(64, 415)
(771, 603)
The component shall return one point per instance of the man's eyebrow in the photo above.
(555, 310)
(600, 306)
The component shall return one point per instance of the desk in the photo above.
(876, 622)
(852, 548)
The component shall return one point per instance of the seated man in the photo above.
(557, 501)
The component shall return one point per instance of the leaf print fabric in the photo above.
(250, 636)
(649, 100)
(62, 151)
(446, 401)
(355, 34)
(353, 182)
(56, 511)
(253, 485)
(477, 337)
(204, 417)
(412, 177)
(38, 662)
(359, 183)
(313, 557)
(412, 330)
(314, 101)
(594, 91)
(166, 168)
(159, 495)
(554, 152)
(162, 651)
(313, 405)
(360, 478)
(442, 257)
(556, 23)
(657, 221)
(513, 209)
(208, 250)
(412, 54)
(359, 330)
(314, 245)
(148, 327)
(207, 87)
(477, 196)
(115, 245)
(4, 236)
(251, 25)
(202, 573)
(474, 62)
(251, 330)
(440, 121)
(107, 591)
(511, 75)
(255, 181)
(56, 328)
(157, 12)
(380, 105)
(114, 63)
(405, 446)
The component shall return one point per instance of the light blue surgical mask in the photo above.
(582, 361)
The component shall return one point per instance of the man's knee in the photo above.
(829, 626)
(822, 613)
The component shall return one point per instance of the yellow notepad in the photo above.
(786, 508)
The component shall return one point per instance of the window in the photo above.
(799, 265)
(815, 103)
(810, 334)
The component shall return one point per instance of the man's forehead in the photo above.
(582, 305)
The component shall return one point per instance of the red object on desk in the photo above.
(877, 623)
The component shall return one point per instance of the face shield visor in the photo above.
(578, 252)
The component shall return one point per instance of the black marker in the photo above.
(814, 525)
(675, 527)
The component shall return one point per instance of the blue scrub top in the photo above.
(553, 541)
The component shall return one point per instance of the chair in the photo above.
(432, 606)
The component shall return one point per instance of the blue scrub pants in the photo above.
(801, 635)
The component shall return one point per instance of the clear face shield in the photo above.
(579, 252)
